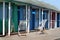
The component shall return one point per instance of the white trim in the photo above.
(3, 18)
(42, 16)
(9, 24)
(55, 19)
(26, 18)
(49, 19)
(39, 17)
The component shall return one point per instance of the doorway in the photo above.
(34, 19)
(18, 19)
(52, 19)
(22, 18)
(32, 23)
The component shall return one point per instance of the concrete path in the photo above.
(52, 34)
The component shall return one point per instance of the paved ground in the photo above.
(53, 34)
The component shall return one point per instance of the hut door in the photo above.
(1, 18)
(58, 19)
(14, 19)
(22, 18)
(52, 20)
(32, 20)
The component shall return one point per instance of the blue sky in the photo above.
(55, 3)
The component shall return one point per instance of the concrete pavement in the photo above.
(52, 34)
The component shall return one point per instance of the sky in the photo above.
(55, 3)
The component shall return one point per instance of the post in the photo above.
(39, 17)
(9, 19)
(42, 16)
(3, 18)
(49, 19)
(26, 18)
(55, 19)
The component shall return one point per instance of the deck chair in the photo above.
(42, 25)
(20, 25)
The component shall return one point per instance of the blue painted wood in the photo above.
(1, 18)
(21, 13)
(40, 16)
(32, 20)
(22, 16)
(58, 18)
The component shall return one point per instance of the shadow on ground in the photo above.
(57, 39)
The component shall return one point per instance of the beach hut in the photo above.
(26, 15)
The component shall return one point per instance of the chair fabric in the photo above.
(42, 24)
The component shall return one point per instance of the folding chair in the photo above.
(42, 25)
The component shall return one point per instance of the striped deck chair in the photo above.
(42, 25)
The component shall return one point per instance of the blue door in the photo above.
(58, 19)
(22, 17)
(32, 20)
